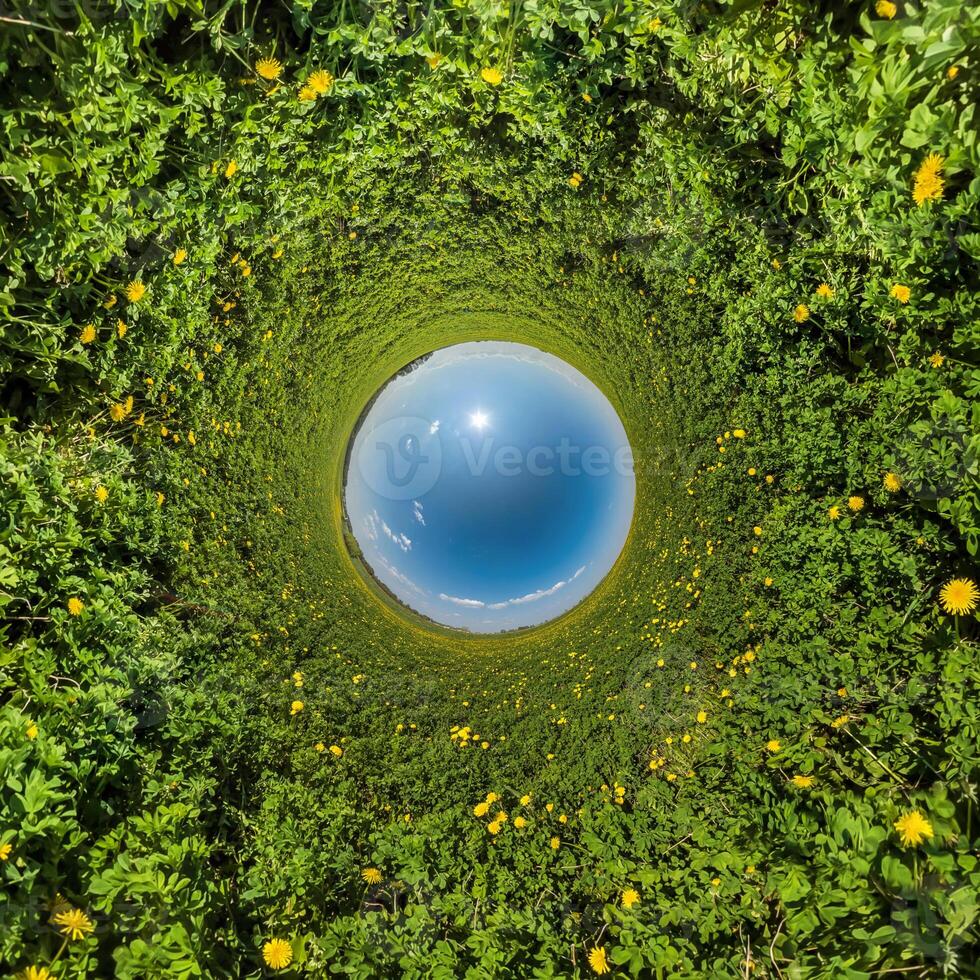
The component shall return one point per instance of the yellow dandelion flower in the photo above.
(702, 717)
(801, 313)
(433, 60)
(840, 721)
(802, 782)
(959, 596)
(336, 750)
(231, 169)
(320, 81)
(913, 828)
(296, 707)
(308, 93)
(774, 745)
(902, 293)
(269, 68)
(629, 898)
(88, 334)
(520, 822)
(555, 843)
(833, 512)
(372, 876)
(36, 973)
(101, 494)
(135, 290)
(824, 291)
(32, 731)
(936, 360)
(886, 9)
(928, 182)
(480, 810)
(179, 256)
(491, 76)
(5, 851)
(277, 953)
(75, 606)
(575, 180)
(73, 923)
(892, 482)
(855, 504)
(952, 72)
(598, 961)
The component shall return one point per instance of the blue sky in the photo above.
(490, 487)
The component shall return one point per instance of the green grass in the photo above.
(732, 160)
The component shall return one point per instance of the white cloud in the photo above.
(540, 594)
(469, 603)
(519, 601)
(399, 576)
(373, 520)
(417, 512)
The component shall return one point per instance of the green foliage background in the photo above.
(732, 157)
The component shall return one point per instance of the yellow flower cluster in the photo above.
(928, 181)
(318, 83)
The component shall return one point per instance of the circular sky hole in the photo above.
(489, 486)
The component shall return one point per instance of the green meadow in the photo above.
(753, 751)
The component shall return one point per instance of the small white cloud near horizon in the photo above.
(469, 603)
(399, 576)
(520, 600)
(534, 596)
(371, 523)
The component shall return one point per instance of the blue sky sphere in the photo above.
(490, 486)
